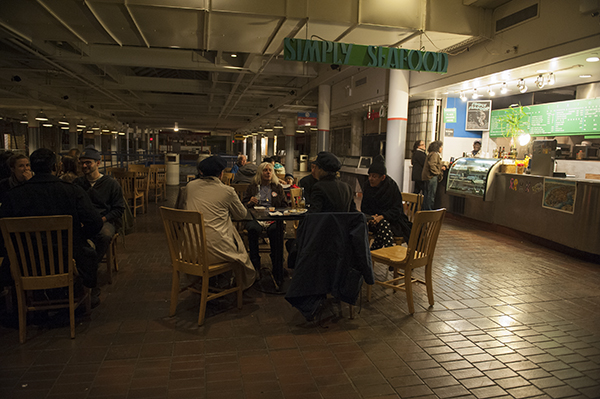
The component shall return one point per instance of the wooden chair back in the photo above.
(157, 181)
(412, 204)
(186, 239)
(424, 236)
(240, 189)
(40, 250)
(129, 185)
(110, 171)
(227, 178)
(136, 167)
(295, 197)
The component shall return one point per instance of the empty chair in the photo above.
(419, 253)
(227, 178)
(158, 181)
(40, 250)
(127, 180)
(240, 189)
(189, 254)
(142, 181)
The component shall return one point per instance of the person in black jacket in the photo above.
(382, 202)
(106, 195)
(308, 181)
(45, 195)
(330, 194)
(418, 161)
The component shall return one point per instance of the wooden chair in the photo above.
(412, 204)
(142, 181)
(40, 250)
(227, 178)
(110, 171)
(158, 181)
(419, 253)
(187, 246)
(240, 189)
(295, 197)
(111, 258)
(127, 180)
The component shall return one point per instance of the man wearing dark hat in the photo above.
(308, 181)
(46, 195)
(476, 153)
(330, 194)
(219, 204)
(106, 195)
(382, 203)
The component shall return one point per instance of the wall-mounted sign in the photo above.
(307, 119)
(449, 132)
(368, 56)
(449, 115)
(559, 195)
(478, 115)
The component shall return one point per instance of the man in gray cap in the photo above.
(218, 204)
(106, 195)
(330, 194)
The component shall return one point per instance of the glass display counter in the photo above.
(472, 177)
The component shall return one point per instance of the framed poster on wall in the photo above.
(478, 115)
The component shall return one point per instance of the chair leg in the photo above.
(22, 309)
(351, 311)
(203, 300)
(369, 289)
(429, 284)
(408, 288)
(72, 309)
(174, 293)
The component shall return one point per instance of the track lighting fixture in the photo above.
(551, 78)
(475, 96)
(522, 86)
(540, 82)
(41, 116)
(491, 91)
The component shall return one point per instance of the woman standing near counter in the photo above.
(418, 162)
(432, 173)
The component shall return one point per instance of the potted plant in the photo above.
(515, 126)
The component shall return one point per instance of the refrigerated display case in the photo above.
(472, 177)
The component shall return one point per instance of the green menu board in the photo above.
(565, 118)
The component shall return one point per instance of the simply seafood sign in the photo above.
(368, 56)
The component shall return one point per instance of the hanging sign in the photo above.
(307, 119)
(367, 56)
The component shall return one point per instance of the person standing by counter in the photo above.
(433, 172)
(418, 162)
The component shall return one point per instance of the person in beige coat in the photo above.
(219, 204)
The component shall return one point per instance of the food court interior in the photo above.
(516, 310)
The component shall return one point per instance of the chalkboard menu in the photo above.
(565, 118)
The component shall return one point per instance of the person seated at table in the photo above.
(245, 174)
(45, 195)
(382, 203)
(289, 180)
(330, 194)
(20, 172)
(69, 169)
(241, 161)
(266, 191)
(308, 181)
(219, 204)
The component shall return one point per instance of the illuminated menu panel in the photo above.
(563, 118)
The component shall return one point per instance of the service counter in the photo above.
(538, 206)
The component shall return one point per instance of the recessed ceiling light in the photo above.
(593, 58)
(233, 55)
(587, 75)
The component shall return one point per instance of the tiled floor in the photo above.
(511, 320)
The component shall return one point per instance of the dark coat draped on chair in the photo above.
(333, 253)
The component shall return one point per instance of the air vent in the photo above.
(360, 82)
(517, 18)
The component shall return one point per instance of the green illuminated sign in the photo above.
(359, 55)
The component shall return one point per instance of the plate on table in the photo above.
(298, 211)
(260, 208)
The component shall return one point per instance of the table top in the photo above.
(287, 214)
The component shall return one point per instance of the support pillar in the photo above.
(253, 149)
(244, 144)
(290, 143)
(258, 149)
(73, 133)
(270, 144)
(323, 120)
(396, 126)
(33, 131)
(356, 134)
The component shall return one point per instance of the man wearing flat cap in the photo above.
(330, 194)
(219, 204)
(308, 181)
(382, 203)
(107, 197)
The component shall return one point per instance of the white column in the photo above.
(73, 133)
(270, 144)
(356, 133)
(290, 143)
(33, 131)
(323, 120)
(396, 126)
(253, 151)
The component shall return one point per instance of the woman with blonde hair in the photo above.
(264, 190)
